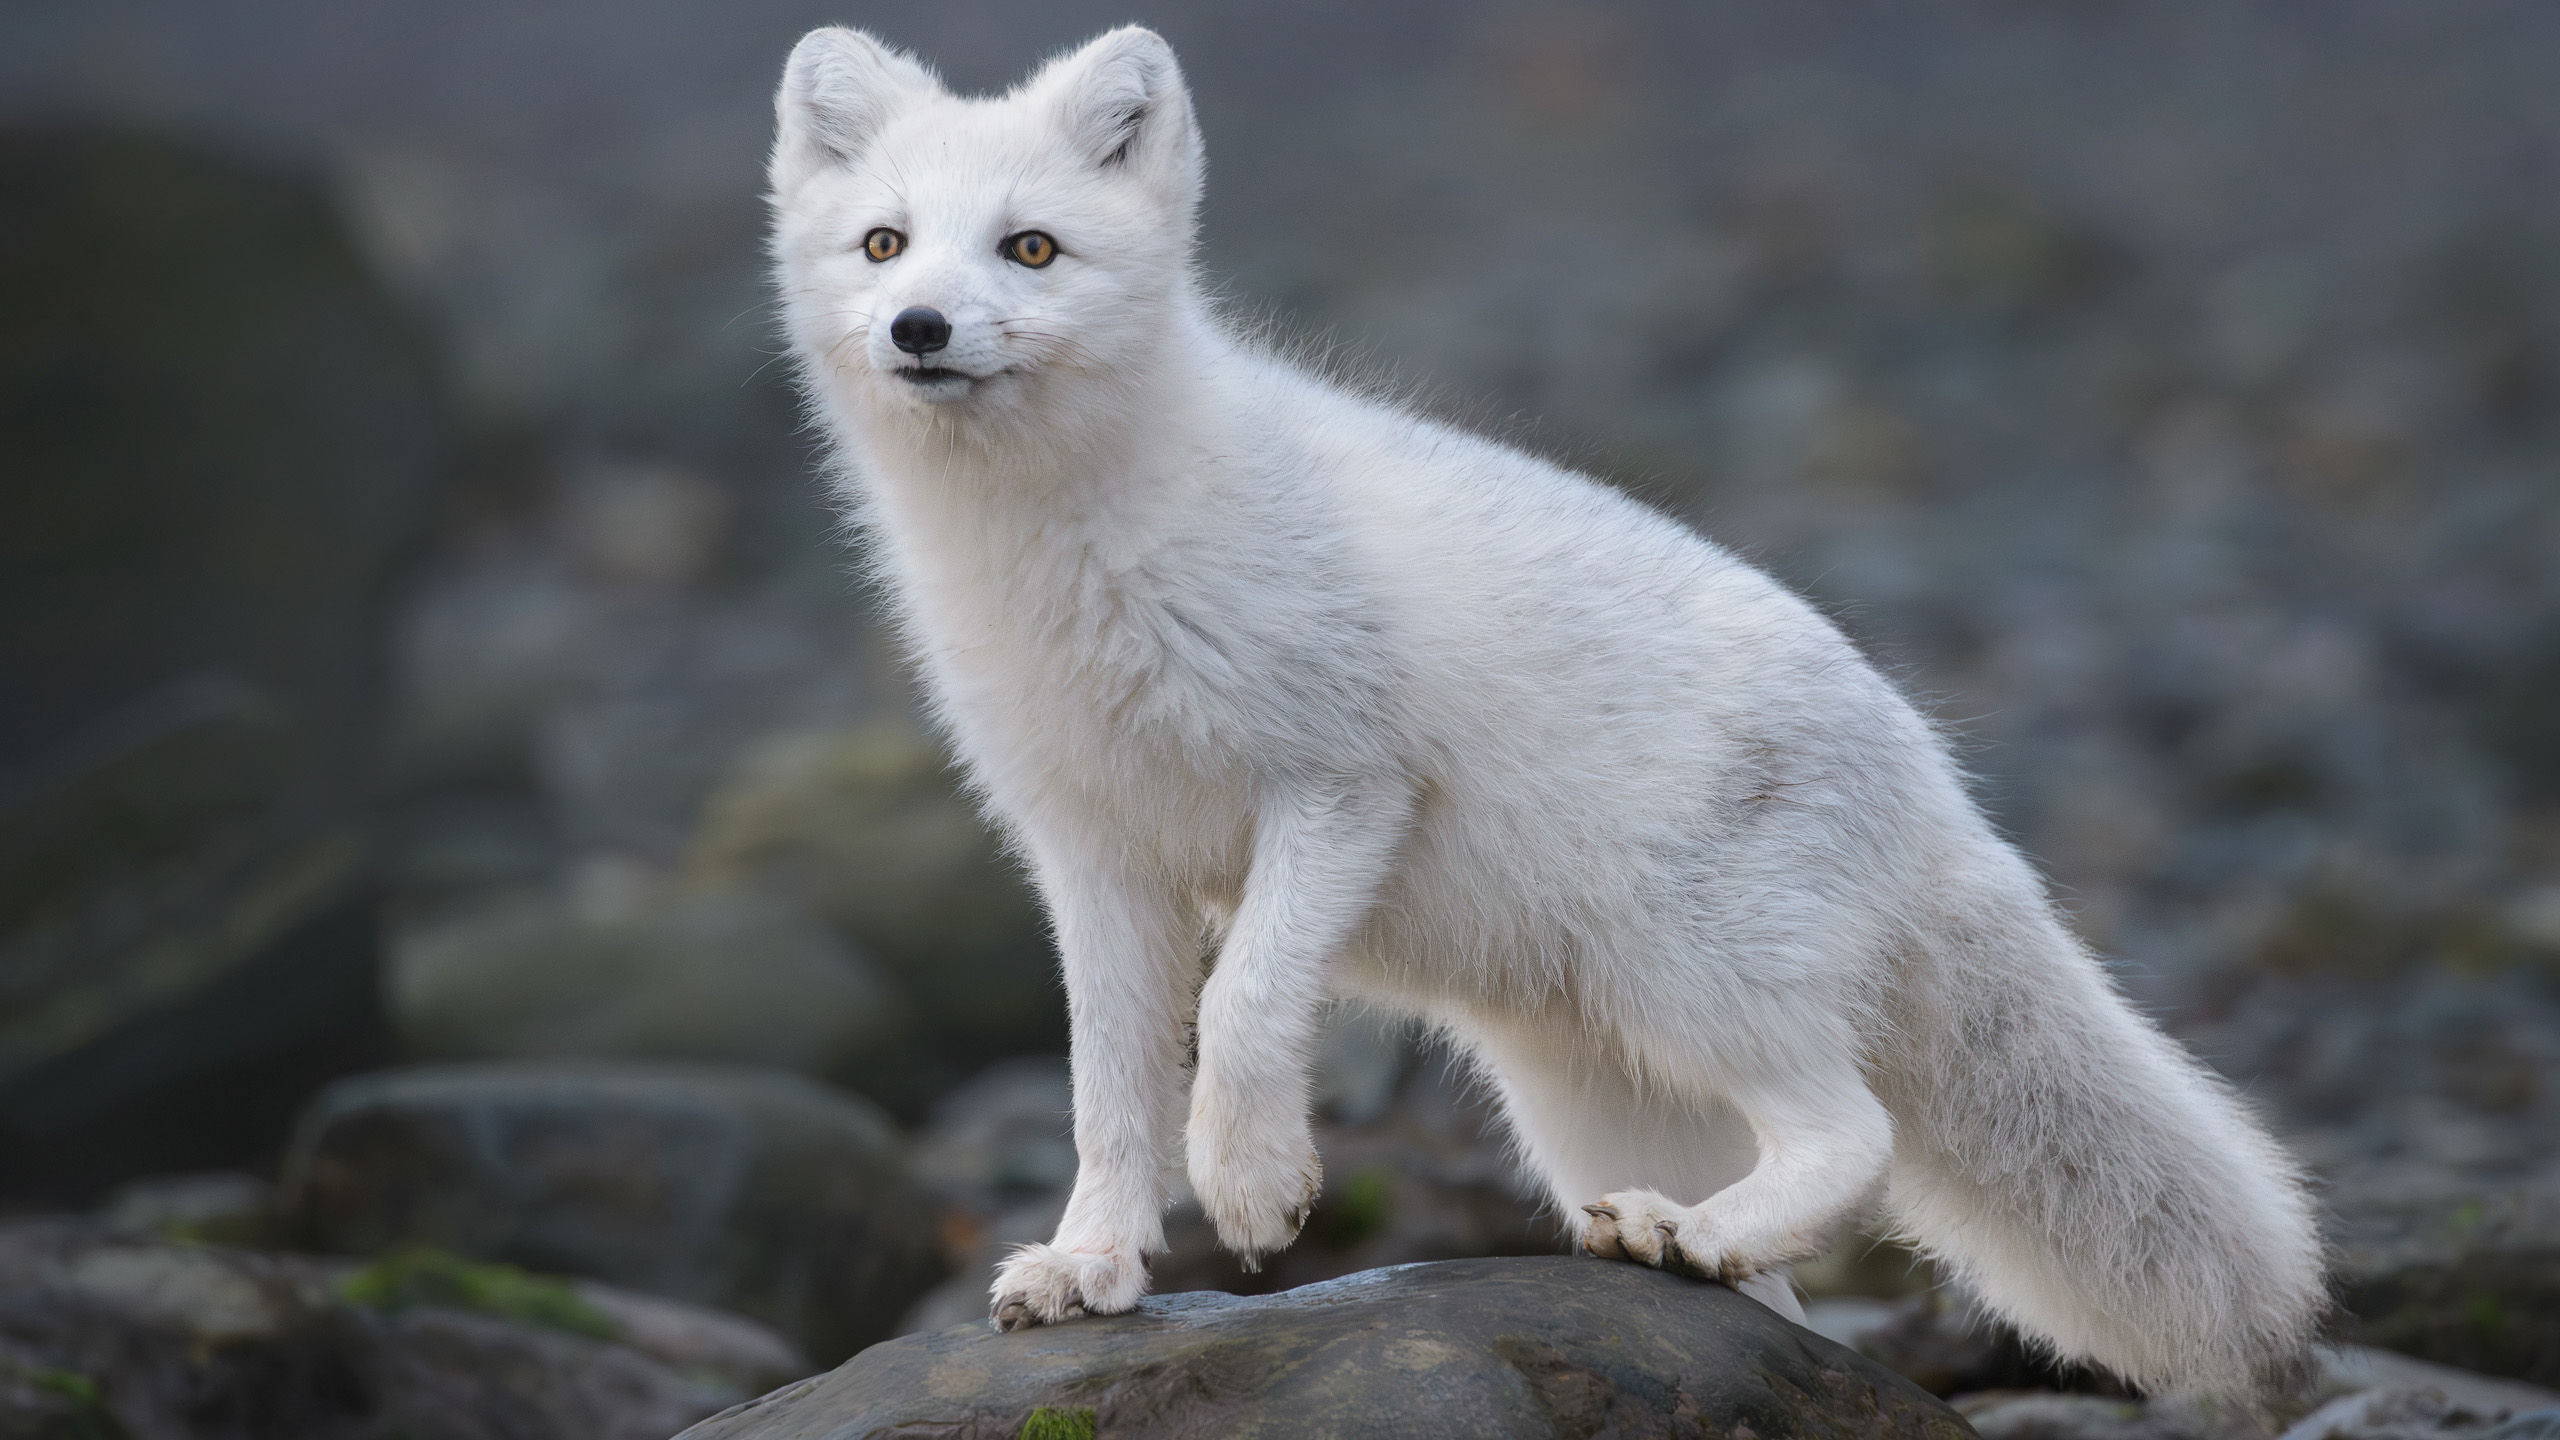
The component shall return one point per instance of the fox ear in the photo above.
(839, 87)
(1121, 101)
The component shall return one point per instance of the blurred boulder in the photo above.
(2461, 1275)
(669, 688)
(2412, 1414)
(647, 525)
(692, 1338)
(696, 1339)
(199, 952)
(222, 1207)
(1864, 1265)
(1361, 1059)
(2043, 1415)
(2360, 1369)
(867, 827)
(701, 977)
(222, 437)
(1953, 1349)
(1473, 1348)
(1006, 1136)
(1947, 1345)
(752, 1190)
(103, 1335)
(481, 652)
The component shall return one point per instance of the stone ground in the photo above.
(1553, 1347)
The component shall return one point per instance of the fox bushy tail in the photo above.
(2079, 1172)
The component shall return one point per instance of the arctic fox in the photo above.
(1249, 663)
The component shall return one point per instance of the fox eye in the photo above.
(1030, 248)
(883, 243)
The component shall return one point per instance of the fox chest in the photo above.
(1090, 712)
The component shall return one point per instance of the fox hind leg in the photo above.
(1823, 1140)
(1589, 1130)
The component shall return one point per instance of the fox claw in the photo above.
(1601, 1237)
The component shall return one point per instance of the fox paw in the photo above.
(1042, 1284)
(1258, 1203)
(1654, 1230)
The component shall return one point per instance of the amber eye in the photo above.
(1030, 248)
(883, 243)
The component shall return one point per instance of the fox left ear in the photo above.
(1122, 102)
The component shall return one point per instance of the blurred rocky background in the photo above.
(471, 871)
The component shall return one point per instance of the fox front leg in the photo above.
(1318, 858)
(1130, 958)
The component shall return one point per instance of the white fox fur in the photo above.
(1381, 709)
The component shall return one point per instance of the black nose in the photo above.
(919, 330)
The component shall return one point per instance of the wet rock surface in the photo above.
(755, 1191)
(1517, 1347)
(106, 1335)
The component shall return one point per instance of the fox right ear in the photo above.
(839, 87)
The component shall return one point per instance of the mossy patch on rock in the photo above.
(422, 1275)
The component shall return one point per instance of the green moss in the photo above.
(1058, 1422)
(1367, 1203)
(69, 1384)
(2465, 1218)
(90, 1418)
(2488, 1317)
(425, 1276)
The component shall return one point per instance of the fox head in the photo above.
(969, 257)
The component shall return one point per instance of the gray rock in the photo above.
(2397, 1414)
(1948, 1346)
(695, 1339)
(1862, 1265)
(1360, 1061)
(223, 441)
(867, 827)
(625, 704)
(2046, 1415)
(2355, 1369)
(455, 1374)
(111, 1335)
(223, 1207)
(736, 977)
(755, 1191)
(1473, 1348)
(1006, 1136)
(2464, 1275)
(2356, 1393)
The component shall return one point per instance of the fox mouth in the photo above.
(932, 374)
